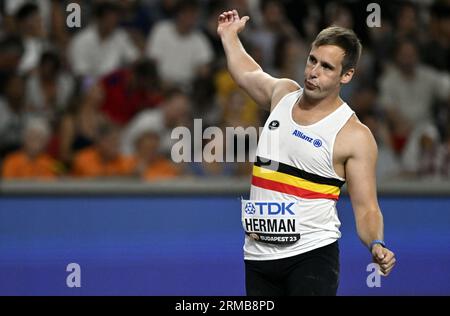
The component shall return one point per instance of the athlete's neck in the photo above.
(327, 104)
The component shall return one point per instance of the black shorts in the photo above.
(312, 273)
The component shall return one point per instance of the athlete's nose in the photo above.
(314, 71)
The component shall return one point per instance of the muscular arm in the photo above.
(262, 87)
(361, 182)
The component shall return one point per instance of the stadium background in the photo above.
(161, 229)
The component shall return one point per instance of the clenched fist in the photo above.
(384, 258)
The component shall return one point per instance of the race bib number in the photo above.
(271, 221)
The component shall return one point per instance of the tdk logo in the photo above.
(269, 208)
(316, 142)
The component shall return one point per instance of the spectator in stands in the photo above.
(275, 25)
(136, 19)
(11, 7)
(173, 112)
(444, 155)
(102, 47)
(237, 112)
(130, 90)
(11, 51)
(162, 9)
(236, 106)
(407, 22)
(209, 28)
(436, 49)
(150, 165)
(214, 162)
(205, 103)
(420, 155)
(180, 51)
(444, 148)
(381, 43)
(12, 114)
(103, 159)
(53, 15)
(31, 161)
(290, 54)
(365, 102)
(49, 89)
(79, 124)
(338, 14)
(388, 165)
(407, 92)
(31, 31)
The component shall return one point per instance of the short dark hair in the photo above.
(105, 129)
(345, 39)
(51, 57)
(12, 44)
(104, 7)
(174, 92)
(145, 68)
(25, 11)
(440, 10)
(264, 4)
(184, 5)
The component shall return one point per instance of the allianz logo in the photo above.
(316, 142)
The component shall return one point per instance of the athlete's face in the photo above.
(323, 71)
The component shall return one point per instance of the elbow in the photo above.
(373, 212)
(369, 215)
(240, 80)
(243, 78)
(241, 84)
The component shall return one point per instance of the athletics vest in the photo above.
(294, 190)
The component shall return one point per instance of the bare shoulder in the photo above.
(357, 128)
(283, 87)
(356, 139)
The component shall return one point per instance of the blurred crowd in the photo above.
(101, 100)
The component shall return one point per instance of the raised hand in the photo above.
(229, 21)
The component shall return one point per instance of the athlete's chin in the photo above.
(312, 94)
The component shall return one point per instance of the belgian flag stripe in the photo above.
(296, 172)
(295, 181)
(290, 189)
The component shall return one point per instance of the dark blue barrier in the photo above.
(193, 246)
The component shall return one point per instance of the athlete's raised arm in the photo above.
(262, 87)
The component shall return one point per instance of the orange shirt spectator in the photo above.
(89, 163)
(160, 169)
(19, 165)
(149, 164)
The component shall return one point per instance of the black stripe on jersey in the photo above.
(293, 171)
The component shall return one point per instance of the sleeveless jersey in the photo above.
(294, 190)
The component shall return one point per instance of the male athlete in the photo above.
(291, 220)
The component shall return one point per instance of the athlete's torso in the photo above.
(292, 206)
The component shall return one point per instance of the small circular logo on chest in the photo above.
(317, 143)
(274, 125)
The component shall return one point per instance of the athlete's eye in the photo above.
(311, 59)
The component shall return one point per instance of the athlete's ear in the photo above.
(347, 76)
